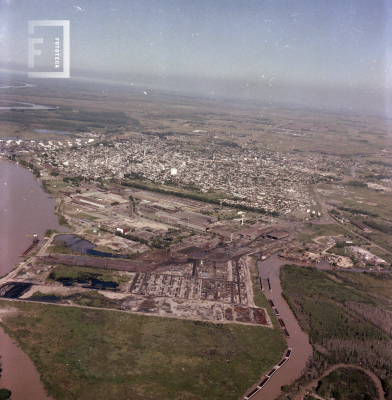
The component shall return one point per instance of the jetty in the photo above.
(31, 247)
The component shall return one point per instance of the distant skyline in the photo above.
(335, 54)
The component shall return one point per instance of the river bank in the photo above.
(19, 374)
(269, 269)
(25, 210)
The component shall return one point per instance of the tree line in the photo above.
(380, 227)
(196, 197)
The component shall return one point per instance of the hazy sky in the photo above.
(314, 52)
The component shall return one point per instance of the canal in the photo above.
(298, 340)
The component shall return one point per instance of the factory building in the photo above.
(188, 219)
(88, 201)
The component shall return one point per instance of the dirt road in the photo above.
(374, 378)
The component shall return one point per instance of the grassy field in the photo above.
(314, 230)
(59, 186)
(86, 299)
(60, 249)
(359, 198)
(65, 272)
(380, 253)
(105, 249)
(382, 239)
(96, 354)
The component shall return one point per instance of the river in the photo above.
(19, 374)
(298, 340)
(25, 209)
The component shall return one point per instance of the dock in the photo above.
(31, 247)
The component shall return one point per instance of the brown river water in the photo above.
(298, 340)
(25, 209)
(19, 374)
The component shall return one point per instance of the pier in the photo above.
(31, 247)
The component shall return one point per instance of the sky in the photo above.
(335, 54)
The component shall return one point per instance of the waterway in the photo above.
(298, 340)
(19, 374)
(25, 209)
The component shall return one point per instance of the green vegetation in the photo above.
(49, 232)
(60, 248)
(4, 394)
(383, 163)
(356, 184)
(68, 273)
(93, 299)
(316, 230)
(131, 237)
(96, 354)
(75, 180)
(343, 251)
(36, 171)
(80, 215)
(380, 227)
(261, 301)
(67, 119)
(385, 256)
(105, 249)
(347, 316)
(357, 211)
(63, 221)
(380, 238)
(85, 299)
(192, 196)
(347, 384)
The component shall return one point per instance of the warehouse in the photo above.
(89, 201)
(189, 219)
